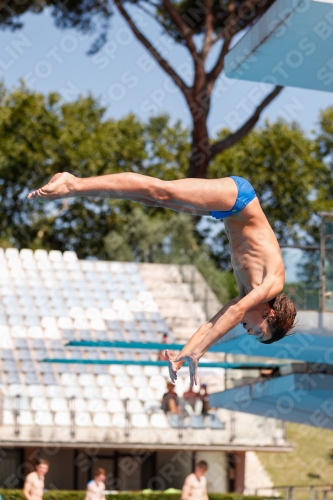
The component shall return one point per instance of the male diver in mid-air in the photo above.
(260, 307)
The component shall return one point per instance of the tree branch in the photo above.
(229, 141)
(209, 29)
(161, 61)
(182, 27)
(219, 65)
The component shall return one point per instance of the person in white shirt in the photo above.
(34, 482)
(96, 487)
(195, 485)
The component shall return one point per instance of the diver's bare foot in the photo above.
(60, 186)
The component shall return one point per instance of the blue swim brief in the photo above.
(246, 193)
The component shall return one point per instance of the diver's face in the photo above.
(255, 323)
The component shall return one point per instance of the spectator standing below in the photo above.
(96, 487)
(170, 400)
(34, 482)
(195, 485)
(161, 354)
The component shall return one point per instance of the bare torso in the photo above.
(255, 252)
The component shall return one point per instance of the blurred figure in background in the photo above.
(204, 397)
(161, 354)
(195, 485)
(192, 402)
(170, 400)
(34, 482)
(96, 487)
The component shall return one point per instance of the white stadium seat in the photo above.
(83, 419)
(26, 418)
(55, 256)
(118, 420)
(39, 404)
(12, 253)
(26, 254)
(159, 421)
(35, 391)
(47, 321)
(93, 313)
(140, 420)
(19, 332)
(102, 420)
(165, 372)
(115, 406)
(109, 391)
(103, 380)
(109, 314)
(150, 371)
(127, 392)
(58, 404)
(122, 381)
(117, 370)
(16, 390)
(140, 381)
(134, 370)
(81, 323)
(53, 391)
(65, 322)
(35, 332)
(41, 255)
(90, 392)
(146, 393)
(135, 406)
(157, 381)
(43, 418)
(86, 379)
(7, 417)
(68, 379)
(72, 391)
(152, 406)
(97, 324)
(69, 256)
(62, 418)
(96, 405)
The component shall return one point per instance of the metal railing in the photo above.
(301, 492)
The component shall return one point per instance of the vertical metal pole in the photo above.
(17, 406)
(72, 415)
(127, 419)
(322, 265)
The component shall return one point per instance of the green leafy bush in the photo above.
(130, 495)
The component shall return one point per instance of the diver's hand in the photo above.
(193, 367)
(173, 366)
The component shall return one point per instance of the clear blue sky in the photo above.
(127, 80)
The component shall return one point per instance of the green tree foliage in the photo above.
(202, 28)
(41, 136)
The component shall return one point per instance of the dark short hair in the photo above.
(284, 318)
(202, 464)
(99, 471)
(42, 461)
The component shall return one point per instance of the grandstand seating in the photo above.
(50, 298)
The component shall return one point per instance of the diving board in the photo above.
(290, 45)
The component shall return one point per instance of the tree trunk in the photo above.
(200, 153)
